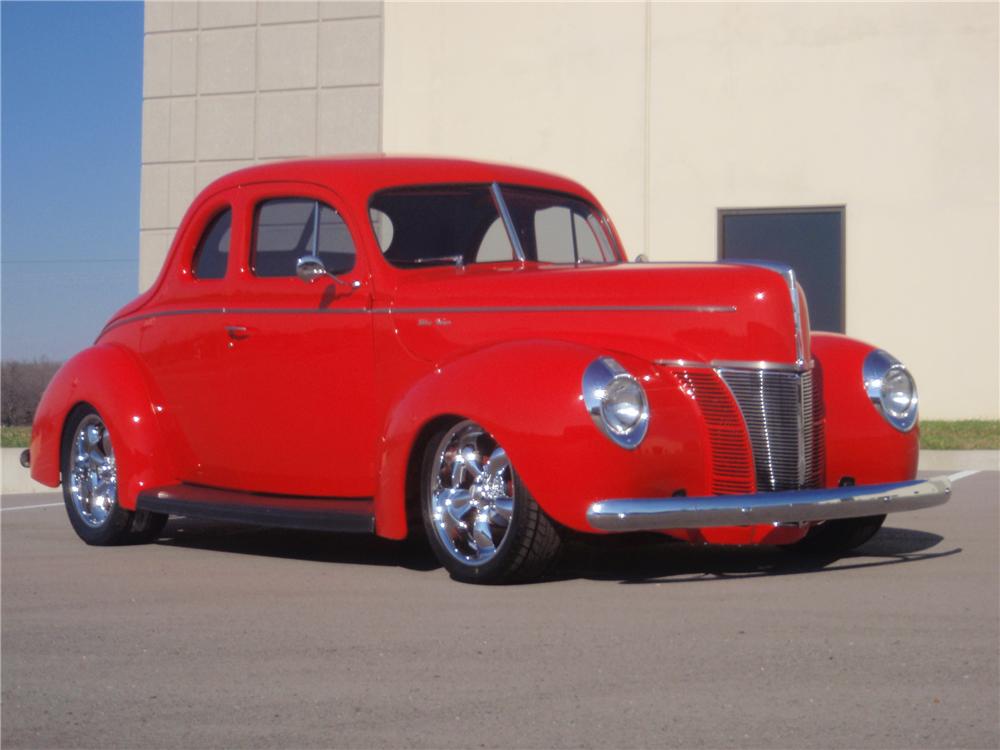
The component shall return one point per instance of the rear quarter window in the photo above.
(211, 256)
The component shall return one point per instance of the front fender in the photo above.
(109, 378)
(528, 396)
(860, 443)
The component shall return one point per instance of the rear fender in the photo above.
(110, 379)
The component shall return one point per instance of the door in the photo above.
(300, 354)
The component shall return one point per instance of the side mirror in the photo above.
(642, 258)
(309, 268)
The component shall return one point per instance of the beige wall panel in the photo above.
(286, 124)
(286, 11)
(180, 192)
(349, 120)
(554, 86)
(346, 9)
(888, 109)
(206, 172)
(226, 61)
(154, 187)
(154, 244)
(226, 13)
(185, 15)
(183, 64)
(226, 127)
(159, 16)
(155, 130)
(156, 65)
(287, 57)
(182, 129)
(350, 52)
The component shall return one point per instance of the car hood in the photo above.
(701, 312)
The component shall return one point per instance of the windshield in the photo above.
(463, 224)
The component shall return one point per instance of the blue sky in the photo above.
(71, 114)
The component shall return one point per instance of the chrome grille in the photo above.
(783, 414)
(732, 461)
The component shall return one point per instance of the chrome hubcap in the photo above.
(471, 494)
(93, 482)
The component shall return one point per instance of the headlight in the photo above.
(891, 389)
(616, 402)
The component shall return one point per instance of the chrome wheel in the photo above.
(93, 480)
(471, 494)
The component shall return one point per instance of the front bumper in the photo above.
(799, 506)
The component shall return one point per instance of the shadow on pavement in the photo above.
(359, 549)
(672, 562)
(632, 558)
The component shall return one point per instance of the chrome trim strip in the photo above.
(799, 506)
(559, 308)
(508, 222)
(734, 364)
(419, 311)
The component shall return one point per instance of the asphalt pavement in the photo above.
(226, 636)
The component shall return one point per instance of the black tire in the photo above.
(146, 526)
(832, 537)
(530, 545)
(115, 527)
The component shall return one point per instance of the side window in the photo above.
(565, 236)
(558, 228)
(285, 229)
(212, 253)
(495, 245)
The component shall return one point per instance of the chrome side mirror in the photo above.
(309, 268)
(641, 258)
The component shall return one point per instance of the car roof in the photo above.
(367, 174)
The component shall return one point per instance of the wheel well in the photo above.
(414, 520)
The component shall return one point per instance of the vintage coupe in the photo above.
(406, 346)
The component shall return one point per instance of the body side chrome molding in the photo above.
(797, 506)
(418, 311)
(734, 364)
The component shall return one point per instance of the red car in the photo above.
(406, 346)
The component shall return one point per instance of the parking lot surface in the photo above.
(226, 636)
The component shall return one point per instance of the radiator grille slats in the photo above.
(783, 414)
(732, 462)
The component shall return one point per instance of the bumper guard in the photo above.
(798, 506)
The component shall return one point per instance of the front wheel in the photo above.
(480, 520)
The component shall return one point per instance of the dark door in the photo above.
(810, 240)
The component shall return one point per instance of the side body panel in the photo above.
(860, 443)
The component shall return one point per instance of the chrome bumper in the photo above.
(799, 506)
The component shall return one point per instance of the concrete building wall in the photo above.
(670, 112)
(227, 84)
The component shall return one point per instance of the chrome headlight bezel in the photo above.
(879, 371)
(604, 380)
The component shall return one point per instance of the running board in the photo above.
(287, 512)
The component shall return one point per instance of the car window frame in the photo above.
(254, 194)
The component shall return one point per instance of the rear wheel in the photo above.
(480, 520)
(90, 486)
(842, 535)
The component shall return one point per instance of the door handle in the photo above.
(238, 332)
